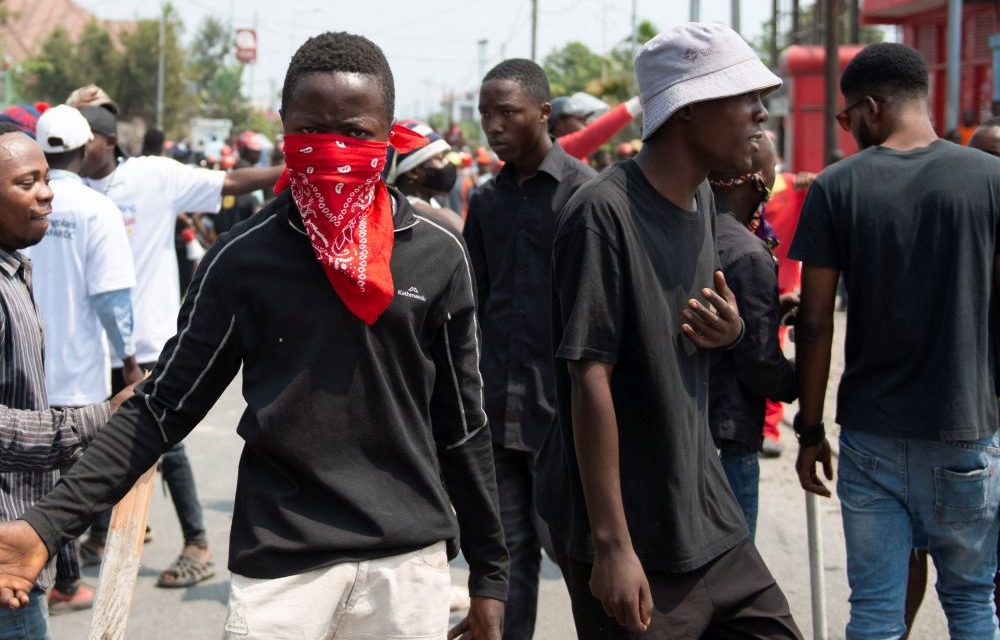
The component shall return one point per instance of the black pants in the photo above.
(178, 475)
(526, 535)
(732, 597)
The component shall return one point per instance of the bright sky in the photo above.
(431, 44)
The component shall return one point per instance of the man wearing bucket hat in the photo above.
(659, 545)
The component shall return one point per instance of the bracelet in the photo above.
(808, 436)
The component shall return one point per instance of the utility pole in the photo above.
(831, 19)
(817, 24)
(253, 66)
(954, 64)
(160, 67)
(534, 30)
(775, 19)
(483, 43)
(853, 22)
(695, 10)
(796, 25)
(635, 27)
(734, 15)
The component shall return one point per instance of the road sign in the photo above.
(246, 45)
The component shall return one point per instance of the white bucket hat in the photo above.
(692, 63)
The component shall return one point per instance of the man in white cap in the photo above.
(83, 279)
(656, 546)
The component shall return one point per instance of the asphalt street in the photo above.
(214, 448)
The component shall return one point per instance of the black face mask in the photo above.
(440, 179)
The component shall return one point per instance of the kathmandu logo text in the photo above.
(412, 292)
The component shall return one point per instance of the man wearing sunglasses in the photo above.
(917, 405)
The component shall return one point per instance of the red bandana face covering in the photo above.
(347, 211)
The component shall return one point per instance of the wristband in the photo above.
(808, 436)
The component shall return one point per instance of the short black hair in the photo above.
(526, 73)
(152, 142)
(64, 159)
(340, 52)
(9, 127)
(888, 70)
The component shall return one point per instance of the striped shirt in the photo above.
(35, 442)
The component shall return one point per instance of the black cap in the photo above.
(101, 120)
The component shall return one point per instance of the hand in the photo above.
(22, 557)
(620, 583)
(131, 371)
(803, 179)
(788, 302)
(126, 393)
(805, 464)
(718, 325)
(484, 621)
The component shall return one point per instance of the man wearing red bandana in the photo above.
(353, 318)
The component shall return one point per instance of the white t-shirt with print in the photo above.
(151, 191)
(85, 252)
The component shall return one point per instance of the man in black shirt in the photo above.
(360, 432)
(509, 232)
(912, 222)
(649, 536)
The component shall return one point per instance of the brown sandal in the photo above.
(185, 571)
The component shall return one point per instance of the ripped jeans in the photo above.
(948, 492)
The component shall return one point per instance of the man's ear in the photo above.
(684, 113)
(546, 111)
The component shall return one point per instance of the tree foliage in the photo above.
(203, 80)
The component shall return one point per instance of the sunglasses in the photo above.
(844, 118)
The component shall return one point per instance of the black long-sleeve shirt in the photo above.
(744, 377)
(509, 231)
(349, 429)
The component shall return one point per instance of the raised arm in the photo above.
(250, 179)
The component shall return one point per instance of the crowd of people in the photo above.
(529, 346)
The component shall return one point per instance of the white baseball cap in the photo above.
(695, 62)
(62, 128)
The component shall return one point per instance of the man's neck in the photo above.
(913, 130)
(528, 164)
(105, 170)
(673, 171)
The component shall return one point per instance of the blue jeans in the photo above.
(893, 488)
(743, 472)
(27, 623)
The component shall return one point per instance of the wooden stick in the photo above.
(120, 567)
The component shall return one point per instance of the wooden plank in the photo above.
(120, 567)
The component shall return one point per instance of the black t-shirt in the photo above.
(626, 261)
(235, 209)
(915, 234)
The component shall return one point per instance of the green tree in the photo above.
(96, 55)
(809, 32)
(134, 86)
(216, 77)
(572, 68)
(50, 75)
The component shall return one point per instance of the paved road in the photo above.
(195, 613)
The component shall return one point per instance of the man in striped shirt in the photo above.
(34, 441)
